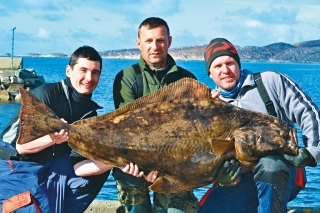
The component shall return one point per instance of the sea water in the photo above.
(53, 69)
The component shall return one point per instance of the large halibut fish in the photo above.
(179, 131)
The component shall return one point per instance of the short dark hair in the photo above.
(153, 22)
(85, 52)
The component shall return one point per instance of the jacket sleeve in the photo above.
(295, 105)
(122, 88)
(11, 132)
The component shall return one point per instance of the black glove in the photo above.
(304, 158)
(229, 172)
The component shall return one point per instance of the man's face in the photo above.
(154, 44)
(85, 75)
(225, 72)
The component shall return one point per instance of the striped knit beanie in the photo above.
(219, 47)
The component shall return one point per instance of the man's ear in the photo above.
(68, 70)
(169, 41)
(138, 42)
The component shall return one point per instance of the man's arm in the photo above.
(89, 168)
(41, 143)
(298, 108)
(11, 134)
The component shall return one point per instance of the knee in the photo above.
(272, 169)
(132, 195)
(175, 203)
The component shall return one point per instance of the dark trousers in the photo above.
(53, 184)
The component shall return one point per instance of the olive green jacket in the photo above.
(125, 81)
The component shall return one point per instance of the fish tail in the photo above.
(36, 119)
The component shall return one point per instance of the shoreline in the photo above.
(110, 206)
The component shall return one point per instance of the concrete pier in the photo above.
(110, 206)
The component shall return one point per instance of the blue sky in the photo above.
(60, 26)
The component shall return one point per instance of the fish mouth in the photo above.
(252, 143)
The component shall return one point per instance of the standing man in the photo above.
(155, 70)
(278, 179)
(38, 176)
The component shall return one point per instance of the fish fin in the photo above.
(184, 88)
(36, 119)
(164, 185)
(221, 146)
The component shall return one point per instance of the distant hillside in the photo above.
(303, 52)
(313, 43)
(50, 55)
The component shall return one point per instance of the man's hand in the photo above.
(60, 137)
(152, 176)
(215, 93)
(229, 173)
(133, 169)
(304, 158)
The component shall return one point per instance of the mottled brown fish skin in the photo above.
(179, 130)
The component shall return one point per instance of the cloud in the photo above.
(253, 23)
(138, 10)
(4, 12)
(277, 16)
(51, 17)
(62, 26)
(272, 15)
(125, 40)
(23, 5)
(43, 33)
(185, 38)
